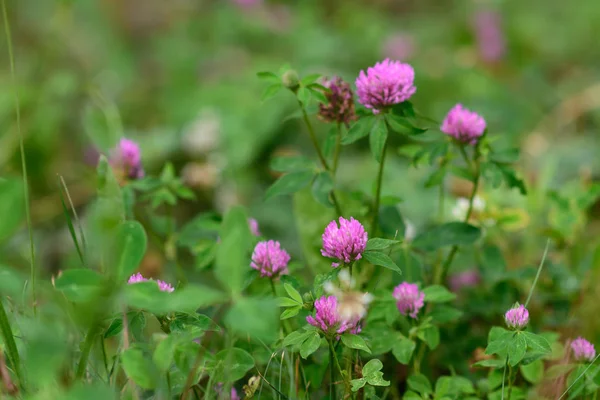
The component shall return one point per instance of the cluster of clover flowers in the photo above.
(382, 86)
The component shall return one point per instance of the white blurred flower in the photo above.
(352, 305)
(410, 231)
(462, 207)
(201, 136)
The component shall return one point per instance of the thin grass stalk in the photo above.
(9, 341)
(23, 161)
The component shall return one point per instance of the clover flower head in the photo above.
(340, 102)
(409, 299)
(517, 317)
(385, 84)
(583, 350)
(345, 243)
(128, 156)
(270, 259)
(463, 125)
(328, 319)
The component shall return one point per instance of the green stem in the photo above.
(418, 358)
(23, 162)
(441, 273)
(85, 351)
(510, 382)
(373, 231)
(9, 341)
(504, 376)
(332, 357)
(313, 139)
(338, 146)
(537, 275)
(104, 358)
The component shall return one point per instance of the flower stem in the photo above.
(373, 231)
(9, 341)
(441, 274)
(313, 139)
(332, 394)
(338, 146)
(510, 382)
(339, 367)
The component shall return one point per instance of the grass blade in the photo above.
(22, 149)
(68, 218)
(9, 341)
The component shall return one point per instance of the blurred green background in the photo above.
(179, 77)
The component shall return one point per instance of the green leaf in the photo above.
(372, 373)
(391, 222)
(450, 234)
(534, 372)
(271, 91)
(267, 76)
(293, 293)
(297, 337)
(231, 264)
(511, 179)
(537, 342)
(438, 294)
(359, 130)
(505, 156)
(500, 344)
(80, 285)
(410, 395)
(139, 368)
(147, 296)
(402, 125)
(165, 352)
(231, 365)
(448, 387)
(93, 391)
(420, 384)
(303, 95)
(286, 302)
(382, 259)
(289, 183)
(242, 318)
(516, 349)
(403, 350)
(310, 345)
(357, 384)
(291, 164)
(322, 187)
(192, 323)
(444, 314)
(492, 363)
(12, 207)
(318, 94)
(372, 367)
(310, 78)
(380, 244)
(355, 342)
(130, 248)
(431, 336)
(436, 178)
(290, 312)
(377, 138)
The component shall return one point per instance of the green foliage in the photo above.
(74, 328)
(450, 234)
(372, 375)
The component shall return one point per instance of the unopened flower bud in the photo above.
(291, 80)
